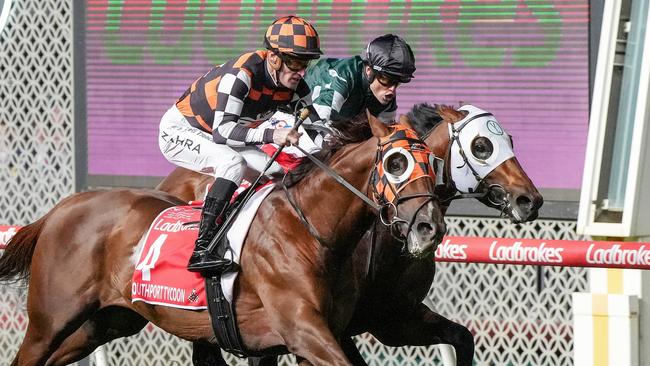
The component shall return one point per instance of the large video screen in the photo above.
(526, 61)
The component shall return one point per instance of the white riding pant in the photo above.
(194, 149)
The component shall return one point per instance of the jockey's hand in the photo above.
(286, 136)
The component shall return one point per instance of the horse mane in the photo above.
(350, 131)
(295, 175)
(424, 117)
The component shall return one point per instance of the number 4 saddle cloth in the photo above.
(161, 276)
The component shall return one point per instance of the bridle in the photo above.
(388, 196)
(387, 208)
(496, 194)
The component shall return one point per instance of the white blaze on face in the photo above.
(5, 7)
(471, 128)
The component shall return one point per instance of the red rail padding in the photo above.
(6, 232)
(566, 253)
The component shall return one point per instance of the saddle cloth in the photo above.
(161, 276)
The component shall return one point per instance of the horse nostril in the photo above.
(425, 229)
(524, 202)
(530, 202)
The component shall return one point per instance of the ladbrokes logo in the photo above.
(616, 255)
(5, 8)
(5, 235)
(518, 253)
(173, 227)
(449, 250)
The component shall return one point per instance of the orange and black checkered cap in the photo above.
(294, 36)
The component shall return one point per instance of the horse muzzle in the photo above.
(426, 231)
(520, 205)
(523, 207)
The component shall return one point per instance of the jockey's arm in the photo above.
(232, 90)
(329, 98)
(315, 124)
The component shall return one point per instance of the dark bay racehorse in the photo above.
(294, 294)
(391, 285)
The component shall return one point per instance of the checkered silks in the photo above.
(405, 138)
(293, 35)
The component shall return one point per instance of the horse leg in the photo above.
(423, 327)
(45, 333)
(352, 352)
(104, 326)
(205, 354)
(263, 361)
(348, 345)
(305, 331)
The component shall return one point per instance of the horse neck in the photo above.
(334, 211)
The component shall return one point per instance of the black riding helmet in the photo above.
(391, 55)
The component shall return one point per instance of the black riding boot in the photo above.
(215, 205)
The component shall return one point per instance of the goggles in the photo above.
(387, 81)
(293, 63)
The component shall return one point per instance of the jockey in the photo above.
(344, 88)
(209, 129)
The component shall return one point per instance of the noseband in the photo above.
(386, 192)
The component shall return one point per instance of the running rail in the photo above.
(564, 253)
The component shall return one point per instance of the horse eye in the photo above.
(396, 164)
(482, 148)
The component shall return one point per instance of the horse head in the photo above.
(402, 183)
(479, 159)
(392, 174)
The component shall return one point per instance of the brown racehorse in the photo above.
(294, 294)
(392, 287)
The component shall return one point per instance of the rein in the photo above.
(382, 208)
(336, 177)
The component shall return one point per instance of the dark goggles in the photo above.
(293, 63)
(387, 80)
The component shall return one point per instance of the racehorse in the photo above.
(294, 293)
(392, 286)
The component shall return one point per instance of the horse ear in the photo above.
(405, 121)
(378, 128)
(449, 114)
